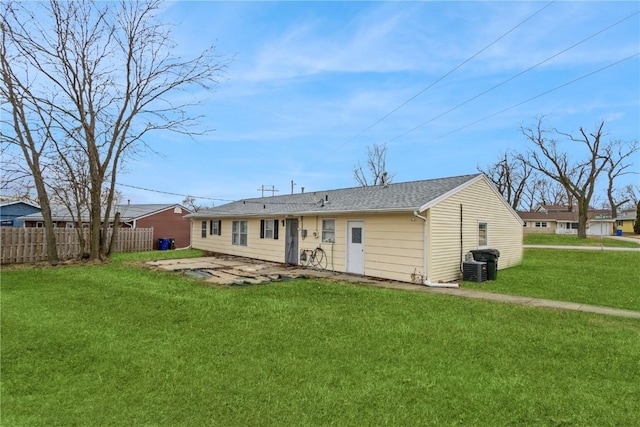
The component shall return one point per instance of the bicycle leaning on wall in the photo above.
(315, 258)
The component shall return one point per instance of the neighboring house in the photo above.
(548, 219)
(167, 220)
(417, 231)
(10, 211)
(626, 220)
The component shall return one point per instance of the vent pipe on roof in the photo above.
(383, 180)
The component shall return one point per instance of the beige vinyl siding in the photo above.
(393, 242)
(264, 249)
(334, 251)
(393, 246)
(479, 204)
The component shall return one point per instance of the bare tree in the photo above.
(578, 177)
(94, 79)
(512, 177)
(375, 170)
(32, 140)
(190, 203)
(632, 193)
(544, 191)
(618, 153)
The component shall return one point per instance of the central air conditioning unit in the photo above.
(474, 271)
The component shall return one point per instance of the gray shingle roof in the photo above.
(127, 212)
(405, 196)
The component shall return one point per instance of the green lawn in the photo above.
(121, 345)
(156, 255)
(607, 278)
(569, 240)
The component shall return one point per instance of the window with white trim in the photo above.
(328, 230)
(239, 233)
(269, 229)
(215, 227)
(541, 224)
(203, 234)
(483, 235)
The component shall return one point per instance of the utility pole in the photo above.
(273, 190)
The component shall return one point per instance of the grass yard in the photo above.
(570, 240)
(122, 345)
(156, 255)
(607, 278)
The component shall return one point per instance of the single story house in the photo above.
(167, 220)
(547, 219)
(626, 220)
(417, 231)
(11, 210)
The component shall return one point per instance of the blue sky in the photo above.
(309, 80)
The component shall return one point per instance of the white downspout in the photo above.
(424, 258)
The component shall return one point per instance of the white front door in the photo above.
(355, 247)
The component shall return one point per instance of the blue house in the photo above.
(11, 210)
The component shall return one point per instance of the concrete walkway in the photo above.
(513, 299)
(231, 270)
(595, 248)
(582, 248)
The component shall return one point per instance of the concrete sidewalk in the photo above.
(512, 299)
(232, 270)
(582, 248)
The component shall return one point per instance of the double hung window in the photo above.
(269, 229)
(239, 233)
(215, 227)
(483, 235)
(328, 230)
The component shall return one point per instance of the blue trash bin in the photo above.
(163, 244)
(618, 232)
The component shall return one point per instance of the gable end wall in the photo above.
(168, 225)
(479, 203)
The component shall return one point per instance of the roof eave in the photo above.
(209, 214)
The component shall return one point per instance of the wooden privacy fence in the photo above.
(24, 245)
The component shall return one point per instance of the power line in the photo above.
(538, 95)
(244, 201)
(513, 77)
(447, 74)
(172, 194)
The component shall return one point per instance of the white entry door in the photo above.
(355, 247)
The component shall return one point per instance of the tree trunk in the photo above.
(95, 225)
(114, 232)
(50, 236)
(45, 206)
(583, 210)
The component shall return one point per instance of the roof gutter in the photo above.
(425, 247)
